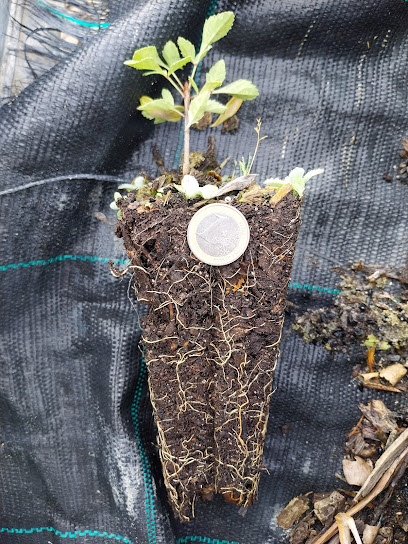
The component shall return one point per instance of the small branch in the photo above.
(186, 161)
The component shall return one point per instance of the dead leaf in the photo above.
(236, 184)
(370, 533)
(378, 414)
(393, 373)
(357, 471)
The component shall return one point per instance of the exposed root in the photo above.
(211, 341)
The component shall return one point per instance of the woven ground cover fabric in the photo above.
(78, 458)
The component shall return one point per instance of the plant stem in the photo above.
(175, 85)
(186, 161)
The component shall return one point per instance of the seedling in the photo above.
(296, 178)
(195, 102)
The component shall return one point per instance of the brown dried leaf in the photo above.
(292, 512)
(369, 534)
(357, 471)
(393, 373)
(405, 144)
(378, 414)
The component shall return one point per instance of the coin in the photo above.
(218, 234)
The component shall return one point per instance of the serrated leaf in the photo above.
(241, 88)
(179, 64)
(186, 47)
(214, 106)
(170, 53)
(211, 85)
(160, 110)
(168, 97)
(216, 72)
(201, 54)
(231, 109)
(197, 107)
(145, 64)
(216, 27)
(159, 71)
(147, 52)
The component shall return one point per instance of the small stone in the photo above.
(393, 358)
(388, 177)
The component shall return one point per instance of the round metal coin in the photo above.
(218, 234)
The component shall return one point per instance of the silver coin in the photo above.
(218, 234)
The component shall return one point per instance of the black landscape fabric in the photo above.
(78, 455)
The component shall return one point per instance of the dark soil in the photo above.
(211, 340)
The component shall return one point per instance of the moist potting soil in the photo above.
(211, 341)
(78, 446)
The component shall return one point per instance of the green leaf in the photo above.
(145, 64)
(186, 47)
(147, 52)
(241, 88)
(208, 191)
(179, 64)
(214, 106)
(113, 206)
(216, 72)
(211, 85)
(216, 27)
(159, 71)
(160, 110)
(170, 53)
(201, 54)
(168, 97)
(116, 196)
(193, 84)
(197, 107)
(231, 109)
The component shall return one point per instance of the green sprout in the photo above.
(196, 102)
(296, 178)
(137, 183)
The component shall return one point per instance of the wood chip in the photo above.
(293, 512)
(327, 508)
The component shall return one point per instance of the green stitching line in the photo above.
(66, 534)
(72, 19)
(147, 477)
(205, 539)
(314, 288)
(124, 262)
(61, 258)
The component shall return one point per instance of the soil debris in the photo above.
(371, 314)
(378, 513)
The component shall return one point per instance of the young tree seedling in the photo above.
(195, 102)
